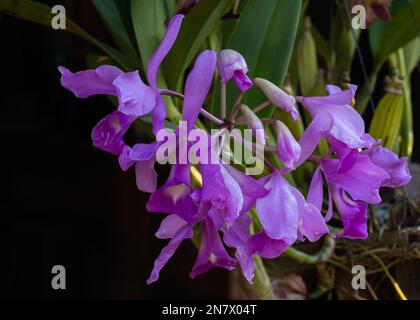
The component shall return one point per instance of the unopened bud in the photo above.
(232, 65)
(278, 97)
(288, 149)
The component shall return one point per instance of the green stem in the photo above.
(323, 254)
(407, 137)
(262, 284)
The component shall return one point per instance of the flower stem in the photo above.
(262, 285)
(223, 100)
(322, 255)
(236, 106)
(204, 112)
(211, 117)
(167, 92)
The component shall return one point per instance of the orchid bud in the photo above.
(232, 65)
(278, 97)
(288, 149)
(386, 120)
(254, 123)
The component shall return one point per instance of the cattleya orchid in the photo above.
(240, 216)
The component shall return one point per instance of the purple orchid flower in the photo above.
(233, 66)
(175, 228)
(134, 97)
(347, 126)
(286, 215)
(354, 180)
(288, 149)
(212, 252)
(397, 168)
(247, 246)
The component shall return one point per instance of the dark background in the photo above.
(63, 201)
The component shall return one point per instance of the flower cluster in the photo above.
(225, 202)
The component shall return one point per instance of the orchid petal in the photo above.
(316, 191)
(163, 49)
(135, 98)
(358, 176)
(397, 168)
(146, 176)
(279, 210)
(237, 236)
(212, 252)
(184, 232)
(90, 82)
(108, 134)
(221, 191)
(174, 197)
(197, 86)
(124, 158)
(317, 129)
(169, 226)
(353, 215)
(348, 125)
(266, 247)
(158, 115)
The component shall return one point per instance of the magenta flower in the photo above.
(354, 180)
(212, 252)
(284, 212)
(175, 228)
(357, 175)
(348, 126)
(397, 168)
(134, 97)
(238, 236)
(108, 133)
(232, 65)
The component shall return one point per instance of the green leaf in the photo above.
(196, 27)
(149, 26)
(112, 17)
(40, 13)
(398, 32)
(412, 55)
(265, 36)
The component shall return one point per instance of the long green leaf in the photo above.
(412, 55)
(40, 13)
(197, 25)
(399, 31)
(112, 17)
(277, 47)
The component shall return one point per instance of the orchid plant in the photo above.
(353, 170)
